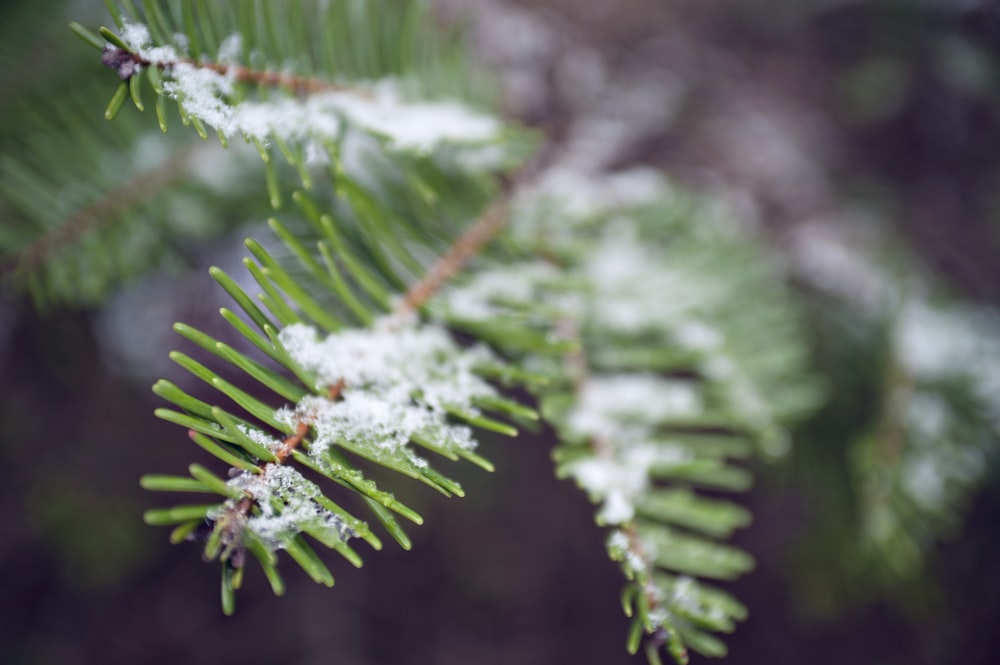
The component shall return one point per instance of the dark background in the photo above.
(825, 107)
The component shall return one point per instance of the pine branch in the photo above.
(92, 205)
(409, 380)
(306, 127)
(333, 415)
(127, 62)
(661, 347)
(190, 56)
(924, 456)
(651, 398)
(650, 383)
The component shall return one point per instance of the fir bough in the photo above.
(926, 439)
(423, 263)
(667, 377)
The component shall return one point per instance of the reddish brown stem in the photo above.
(334, 391)
(466, 247)
(126, 62)
(244, 505)
(291, 443)
(489, 224)
(298, 84)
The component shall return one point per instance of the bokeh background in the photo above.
(850, 118)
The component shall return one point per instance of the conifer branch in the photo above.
(136, 190)
(661, 351)
(653, 390)
(639, 559)
(649, 398)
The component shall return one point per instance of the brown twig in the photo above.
(890, 429)
(126, 64)
(334, 391)
(300, 85)
(291, 443)
(466, 247)
(231, 521)
(483, 230)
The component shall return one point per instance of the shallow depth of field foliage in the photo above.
(540, 351)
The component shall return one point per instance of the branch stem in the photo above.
(471, 242)
(465, 248)
(126, 62)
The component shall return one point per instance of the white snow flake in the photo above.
(399, 383)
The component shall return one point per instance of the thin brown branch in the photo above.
(472, 241)
(291, 443)
(334, 391)
(127, 62)
(300, 85)
(465, 248)
(890, 429)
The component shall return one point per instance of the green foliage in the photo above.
(658, 342)
(340, 260)
(129, 199)
(85, 204)
(919, 418)
(657, 398)
(570, 295)
(121, 187)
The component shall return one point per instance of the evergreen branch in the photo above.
(334, 416)
(136, 190)
(618, 275)
(661, 350)
(649, 598)
(373, 394)
(922, 458)
(122, 199)
(305, 128)
(375, 412)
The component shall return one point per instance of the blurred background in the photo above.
(860, 137)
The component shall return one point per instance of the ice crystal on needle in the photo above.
(400, 382)
(286, 501)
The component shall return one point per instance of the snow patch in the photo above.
(378, 107)
(620, 413)
(607, 404)
(400, 382)
(287, 505)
